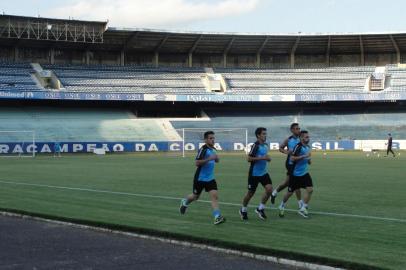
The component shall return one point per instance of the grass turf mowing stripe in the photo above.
(203, 201)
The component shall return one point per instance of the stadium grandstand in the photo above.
(175, 80)
(110, 120)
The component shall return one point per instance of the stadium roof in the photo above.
(14, 29)
(248, 43)
(163, 41)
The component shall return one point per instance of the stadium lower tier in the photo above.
(360, 126)
(115, 125)
(80, 125)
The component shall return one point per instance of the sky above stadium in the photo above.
(259, 16)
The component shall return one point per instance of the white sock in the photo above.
(261, 206)
(282, 205)
(300, 203)
(274, 192)
(305, 205)
(244, 209)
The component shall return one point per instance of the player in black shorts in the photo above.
(300, 177)
(204, 178)
(389, 144)
(286, 147)
(258, 174)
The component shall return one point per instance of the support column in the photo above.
(156, 59)
(258, 60)
(259, 51)
(292, 53)
(395, 45)
(52, 56)
(226, 50)
(87, 57)
(292, 60)
(158, 47)
(122, 58)
(192, 49)
(328, 52)
(361, 45)
(190, 60)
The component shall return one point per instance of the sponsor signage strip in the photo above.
(62, 95)
(176, 146)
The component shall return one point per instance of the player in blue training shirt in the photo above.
(301, 159)
(287, 148)
(204, 178)
(258, 173)
(57, 149)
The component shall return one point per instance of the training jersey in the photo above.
(259, 167)
(205, 172)
(300, 167)
(57, 147)
(292, 142)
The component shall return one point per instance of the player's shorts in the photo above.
(208, 186)
(289, 168)
(298, 182)
(253, 181)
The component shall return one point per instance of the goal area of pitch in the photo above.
(17, 143)
(226, 139)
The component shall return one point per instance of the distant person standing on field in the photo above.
(389, 149)
(57, 149)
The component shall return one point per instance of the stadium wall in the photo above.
(45, 55)
(68, 57)
(176, 146)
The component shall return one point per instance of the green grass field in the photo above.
(370, 192)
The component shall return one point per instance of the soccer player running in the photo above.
(204, 178)
(259, 158)
(301, 158)
(286, 148)
(389, 144)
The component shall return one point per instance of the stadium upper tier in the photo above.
(398, 78)
(130, 79)
(296, 81)
(17, 77)
(175, 80)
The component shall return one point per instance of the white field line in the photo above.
(178, 198)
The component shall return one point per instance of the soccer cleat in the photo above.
(183, 207)
(281, 212)
(303, 212)
(261, 213)
(218, 220)
(273, 199)
(243, 215)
